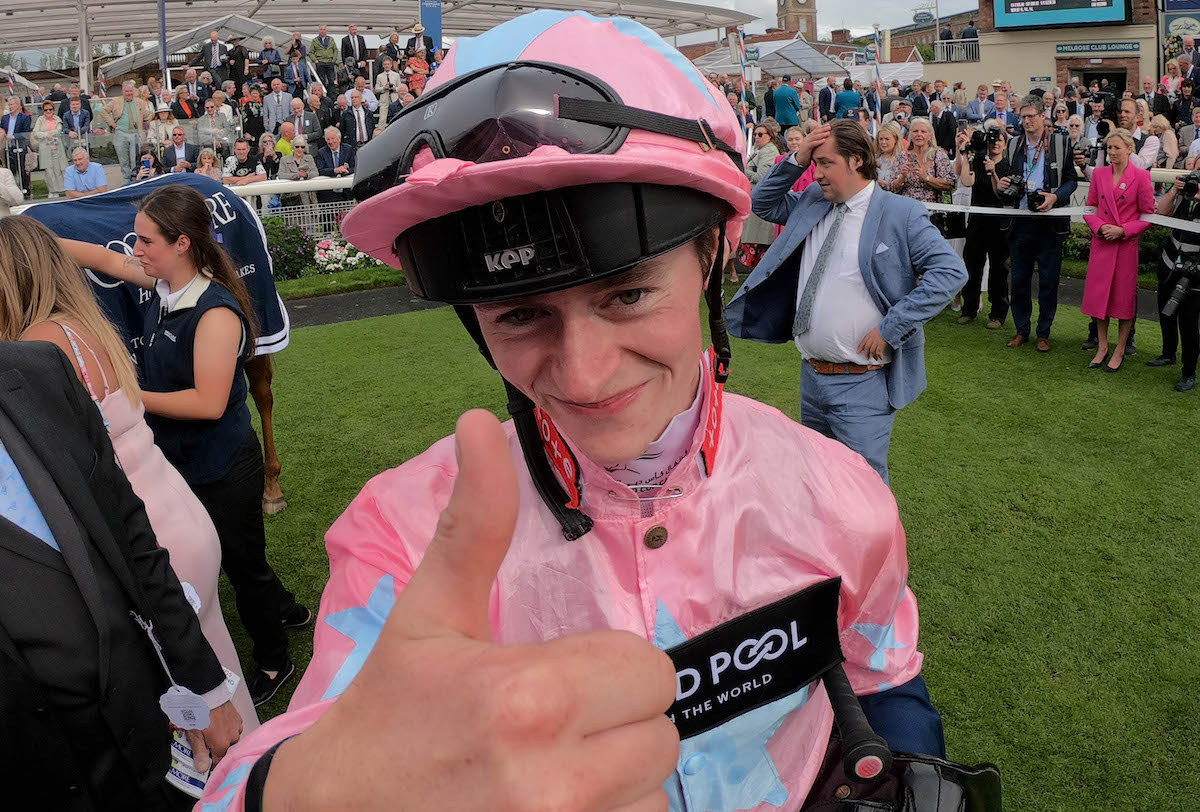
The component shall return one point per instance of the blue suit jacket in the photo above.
(898, 244)
(24, 123)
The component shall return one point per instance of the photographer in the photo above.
(980, 159)
(1043, 178)
(1180, 324)
(388, 86)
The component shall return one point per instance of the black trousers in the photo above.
(235, 504)
(1183, 329)
(986, 243)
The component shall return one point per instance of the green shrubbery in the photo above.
(291, 248)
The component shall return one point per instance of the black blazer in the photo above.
(944, 131)
(349, 126)
(79, 682)
(325, 164)
(85, 120)
(427, 41)
(825, 101)
(204, 57)
(191, 154)
(348, 49)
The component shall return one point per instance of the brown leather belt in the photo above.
(832, 368)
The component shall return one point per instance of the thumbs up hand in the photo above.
(442, 718)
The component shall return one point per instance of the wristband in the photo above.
(256, 781)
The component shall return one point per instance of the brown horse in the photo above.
(260, 370)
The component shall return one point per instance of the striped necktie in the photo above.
(808, 298)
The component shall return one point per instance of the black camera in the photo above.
(1189, 275)
(1191, 185)
(978, 144)
(1015, 190)
(1035, 199)
(993, 136)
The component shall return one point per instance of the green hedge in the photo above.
(290, 247)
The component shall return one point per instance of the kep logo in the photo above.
(506, 259)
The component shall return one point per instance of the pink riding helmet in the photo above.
(632, 61)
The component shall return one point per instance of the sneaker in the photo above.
(1186, 384)
(1130, 348)
(1090, 344)
(263, 688)
(965, 319)
(1161, 361)
(994, 324)
(296, 617)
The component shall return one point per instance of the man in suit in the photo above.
(197, 92)
(80, 679)
(305, 121)
(841, 280)
(321, 107)
(945, 127)
(825, 100)
(15, 128)
(980, 108)
(920, 100)
(85, 101)
(213, 56)
(276, 106)
(418, 38)
(354, 50)
(126, 117)
(357, 122)
(180, 156)
(77, 123)
(335, 160)
(872, 97)
(1007, 117)
(296, 76)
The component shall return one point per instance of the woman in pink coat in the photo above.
(1121, 193)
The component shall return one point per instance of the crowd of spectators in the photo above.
(227, 99)
(1001, 150)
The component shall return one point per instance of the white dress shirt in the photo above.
(843, 311)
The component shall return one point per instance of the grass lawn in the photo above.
(1051, 517)
(1077, 269)
(305, 287)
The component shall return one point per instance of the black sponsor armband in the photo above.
(755, 659)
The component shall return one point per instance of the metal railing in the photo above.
(956, 50)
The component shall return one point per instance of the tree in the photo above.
(11, 60)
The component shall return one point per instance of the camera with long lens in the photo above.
(1103, 128)
(1188, 273)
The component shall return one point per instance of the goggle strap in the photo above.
(574, 522)
(714, 294)
(612, 114)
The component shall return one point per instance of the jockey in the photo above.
(572, 185)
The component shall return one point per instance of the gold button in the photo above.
(656, 537)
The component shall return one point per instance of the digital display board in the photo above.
(1042, 13)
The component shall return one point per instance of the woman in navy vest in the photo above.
(196, 344)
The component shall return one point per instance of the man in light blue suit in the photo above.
(853, 278)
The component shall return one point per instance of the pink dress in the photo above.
(1110, 290)
(180, 522)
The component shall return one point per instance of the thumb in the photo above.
(451, 588)
(200, 755)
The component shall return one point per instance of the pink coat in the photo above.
(784, 508)
(1110, 290)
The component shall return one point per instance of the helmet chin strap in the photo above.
(574, 522)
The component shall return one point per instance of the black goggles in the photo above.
(509, 110)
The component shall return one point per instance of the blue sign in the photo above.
(1097, 47)
(1183, 5)
(431, 18)
(752, 53)
(1041, 13)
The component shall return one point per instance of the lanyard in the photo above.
(1037, 155)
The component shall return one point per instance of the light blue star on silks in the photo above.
(727, 768)
(362, 624)
(883, 638)
(236, 776)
